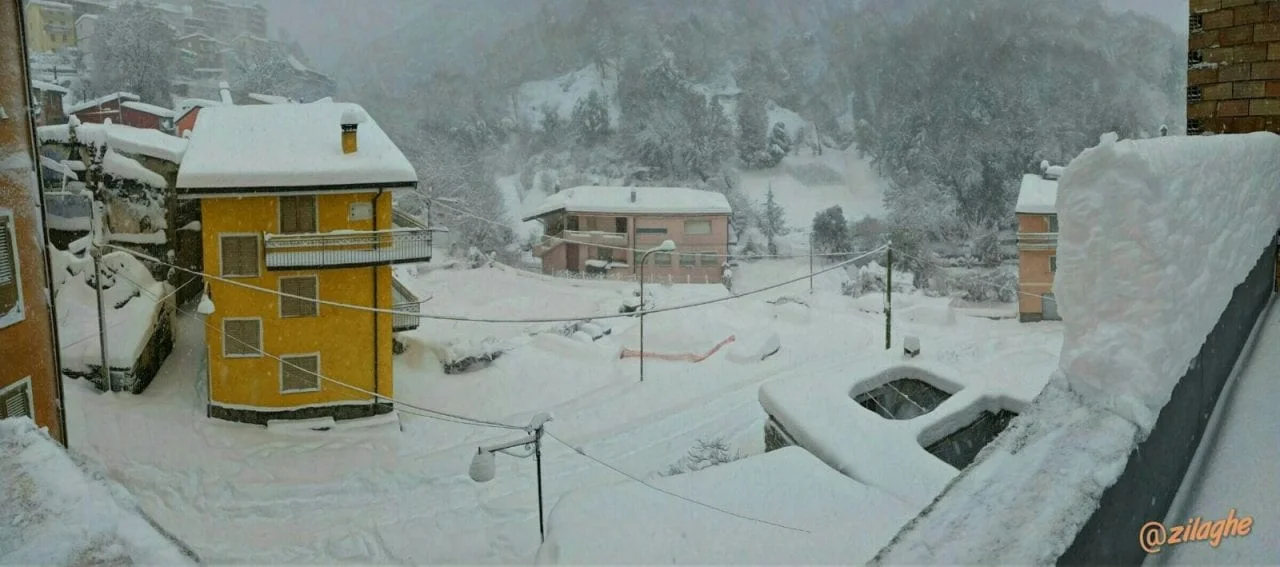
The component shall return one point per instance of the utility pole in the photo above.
(97, 241)
(810, 262)
(888, 298)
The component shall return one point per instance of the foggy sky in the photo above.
(325, 28)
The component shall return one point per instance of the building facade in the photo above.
(1038, 244)
(47, 99)
(312, 220)
(51, 26)
(604, 230)
(30, 384)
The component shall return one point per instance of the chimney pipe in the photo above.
(351, 119)
(633, 195)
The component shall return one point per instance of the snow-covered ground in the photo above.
(805, 184)
(239, 493)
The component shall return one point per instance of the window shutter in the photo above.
(242, 337)
(299, 373)
(288, 215)
(6, 254)
(15, 403)
(306, 213)
(303, 286)
(239, 255)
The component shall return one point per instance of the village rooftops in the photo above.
(127, 139)
(1038, 194)
(148, 108)
(86, 105)
(275, 148)
(648, 200)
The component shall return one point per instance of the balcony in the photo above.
(406, 302)
(1037, 240)
(587, 237)
(407, 241)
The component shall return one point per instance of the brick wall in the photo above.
(1233, 60)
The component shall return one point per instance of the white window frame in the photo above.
(319, 370)
(710, 228)
(25, 380)
(21, 305)
(222, 327)
(222, 265)
(280, 303)
(315, 210)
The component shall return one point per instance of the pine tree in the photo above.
(590, 119)
(753, 121)
(831, 232)
(779, 143)
(773, 221)
(550, 127)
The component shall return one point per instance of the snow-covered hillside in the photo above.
(562, 93)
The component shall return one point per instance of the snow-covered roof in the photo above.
(85, 105)
(185, 105)
(59, 510)
(1122, 352)
(60, 167)
(1037, 195)
(127, 139)
(270, 99)
(49, 4)
(122, 167)
(632, 524)
(649, 200)
(148, 108)
(45, 86)
(288, 145)
(199, 35)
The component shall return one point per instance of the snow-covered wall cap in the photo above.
(649, 200)
(1155, 234)
(354, 115)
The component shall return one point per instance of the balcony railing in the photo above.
(408, 241)
(404, 301)
(589, 237)
(1037, 240)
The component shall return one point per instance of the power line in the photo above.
(437, 414)
(669, 493)
(1006, 288)
(494, 319)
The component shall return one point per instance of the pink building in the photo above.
(600, 229)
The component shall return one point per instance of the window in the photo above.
(605, 254)
(297, 214)
(696, 227)
(1053, 264)
(305, 286)
(10, 280)
(590, 223)
(239, 255)
(650, 230)
(572, 224)
(1053, 223)
(620, 224)
(708, 259)
(662, 258)
(299, 373)
(15, 399)
(688, 260)
(241, 338)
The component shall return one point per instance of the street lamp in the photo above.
(483, 468)
(666, 246)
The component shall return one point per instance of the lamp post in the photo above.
(483, 468)
(666, 246)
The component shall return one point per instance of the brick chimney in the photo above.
(351, 119)
(1233, 67)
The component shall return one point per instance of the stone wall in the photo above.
(1233, 59)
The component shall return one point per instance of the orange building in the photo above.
(29, 377)
(1038, 244)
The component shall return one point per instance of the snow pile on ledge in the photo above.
(56, 511)
(1156, 234)
(632, 524)
(126, 139)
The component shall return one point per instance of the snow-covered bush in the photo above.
(985, 285)
(467, 356)
(871, 279)
(705, 454)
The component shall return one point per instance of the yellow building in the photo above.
(297, 198)
(1038, 244)
(50, 26)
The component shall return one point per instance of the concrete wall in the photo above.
(28, 345)
(1233, 57)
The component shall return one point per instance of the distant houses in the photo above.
(1038, 244)
(603, 230)
(297, 198)
(47, 102)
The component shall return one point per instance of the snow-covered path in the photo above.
(1240, 470)
(383, 494)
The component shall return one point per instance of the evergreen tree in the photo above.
(773, 221)
(831, 232)
(590, 119)
(753, 121)
(779, 144)
(550, 134)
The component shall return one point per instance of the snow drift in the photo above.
(55, 510)
(1156, 234)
